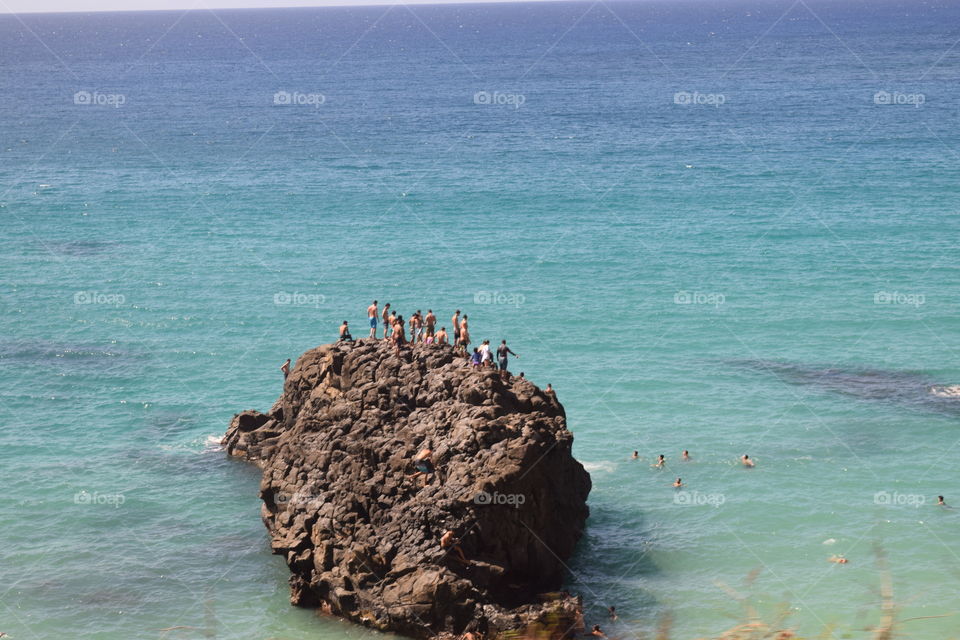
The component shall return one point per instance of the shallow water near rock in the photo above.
(634, 252)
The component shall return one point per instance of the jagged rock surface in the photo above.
(362, 539)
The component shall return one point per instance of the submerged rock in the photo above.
(362, 538)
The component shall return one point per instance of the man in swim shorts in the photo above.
(345, 332)
(285, 367)
(455, 321)
(502, 356)
(423, 465)
(441, 337)
(372, 315)
(430, 321)
(386, 319)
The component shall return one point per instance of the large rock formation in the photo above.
(362, 538)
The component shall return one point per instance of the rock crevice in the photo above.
(362, 537)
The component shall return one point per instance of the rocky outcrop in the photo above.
(362, 537)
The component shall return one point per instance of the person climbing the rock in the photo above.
(345, 332)
(386, 319)
(430, 321)
(372, 316)
(447, 542)
(503, 353)
(285, 367)
(423, 465)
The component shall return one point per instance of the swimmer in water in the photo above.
(596, 631)
(635, 456)
(661, 462)
(678, 483)
(838, 559)
(940, 502)
(613, 612)
(685, 455)
(747, 462)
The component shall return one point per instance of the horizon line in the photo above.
(4, 11)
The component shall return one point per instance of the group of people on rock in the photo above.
(423, 330)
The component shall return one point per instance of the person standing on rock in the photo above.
(503, 353)
(391, 321)
(345, 332)
(416, 327)
(455, 322)
(386, 320)
(430, 321)
(372, 316)
(464, 334)
(285, 367)
(399, 338)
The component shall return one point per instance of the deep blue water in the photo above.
(729, 227)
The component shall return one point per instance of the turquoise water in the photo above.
(812, 231)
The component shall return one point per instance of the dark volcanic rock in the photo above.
(362, 540)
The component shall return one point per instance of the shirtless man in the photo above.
(423, 465)
(455, 322)
(678, 483)
(464, 333)
(345, 332)
(838, 559)
(392, 320)
(549, 390)
(430, 321)
(372, 315)
(397, 335)
(386, 319)
(685, 456)
(441, 337)
(635, 456)
(447, 542)
(416, 327)
(661, 462)
(285, 367)
(747, 462)
(597, 631)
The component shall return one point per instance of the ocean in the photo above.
(727, 227)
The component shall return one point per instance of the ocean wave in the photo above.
(946, 390)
